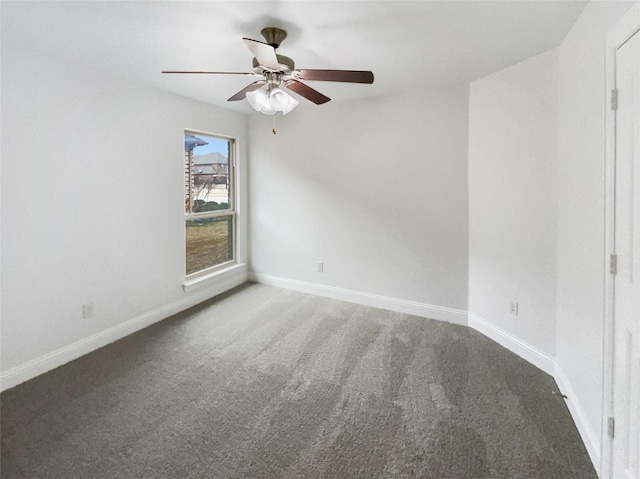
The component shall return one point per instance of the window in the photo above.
(209, 197)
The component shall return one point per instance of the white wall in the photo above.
(92, 205)
(376, 189)
(512, 212)
(580, 270)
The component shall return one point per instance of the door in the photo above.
(626, 282)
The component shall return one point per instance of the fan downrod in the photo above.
(274, 36)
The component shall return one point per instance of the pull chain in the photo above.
(273, 128)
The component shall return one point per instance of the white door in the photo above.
(626, 282)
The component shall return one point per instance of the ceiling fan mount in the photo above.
(273, 36)
(266, 94)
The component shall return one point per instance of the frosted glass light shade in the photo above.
(257, 98)
(292, 104)
(278, 99)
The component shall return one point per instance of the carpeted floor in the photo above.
(269, 383)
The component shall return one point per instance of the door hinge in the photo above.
(613, 264)
(611, 427)
(614, 99)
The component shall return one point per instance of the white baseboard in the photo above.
(456, 316)
(512, 343)
(589, 437)
(54, 359)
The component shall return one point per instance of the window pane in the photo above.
(209, 242)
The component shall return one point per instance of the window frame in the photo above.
(230, 212)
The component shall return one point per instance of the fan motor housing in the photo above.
(286, 65)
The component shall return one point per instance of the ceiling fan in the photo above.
(266, 95)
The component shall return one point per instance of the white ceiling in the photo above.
(407, 45)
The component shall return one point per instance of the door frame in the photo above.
(628, 25)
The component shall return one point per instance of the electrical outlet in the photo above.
(319, 267)
(87, 311)
(514, 308)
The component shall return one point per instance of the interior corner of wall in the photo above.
(587, 433)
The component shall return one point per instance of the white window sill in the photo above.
(231, 274)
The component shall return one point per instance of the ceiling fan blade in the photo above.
(346, 76)
(251, 87)
(212, 73)
(264, 53)
(307, 92)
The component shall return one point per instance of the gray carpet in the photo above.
(269, 383)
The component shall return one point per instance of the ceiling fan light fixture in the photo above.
(259, 101)
(271, 99)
